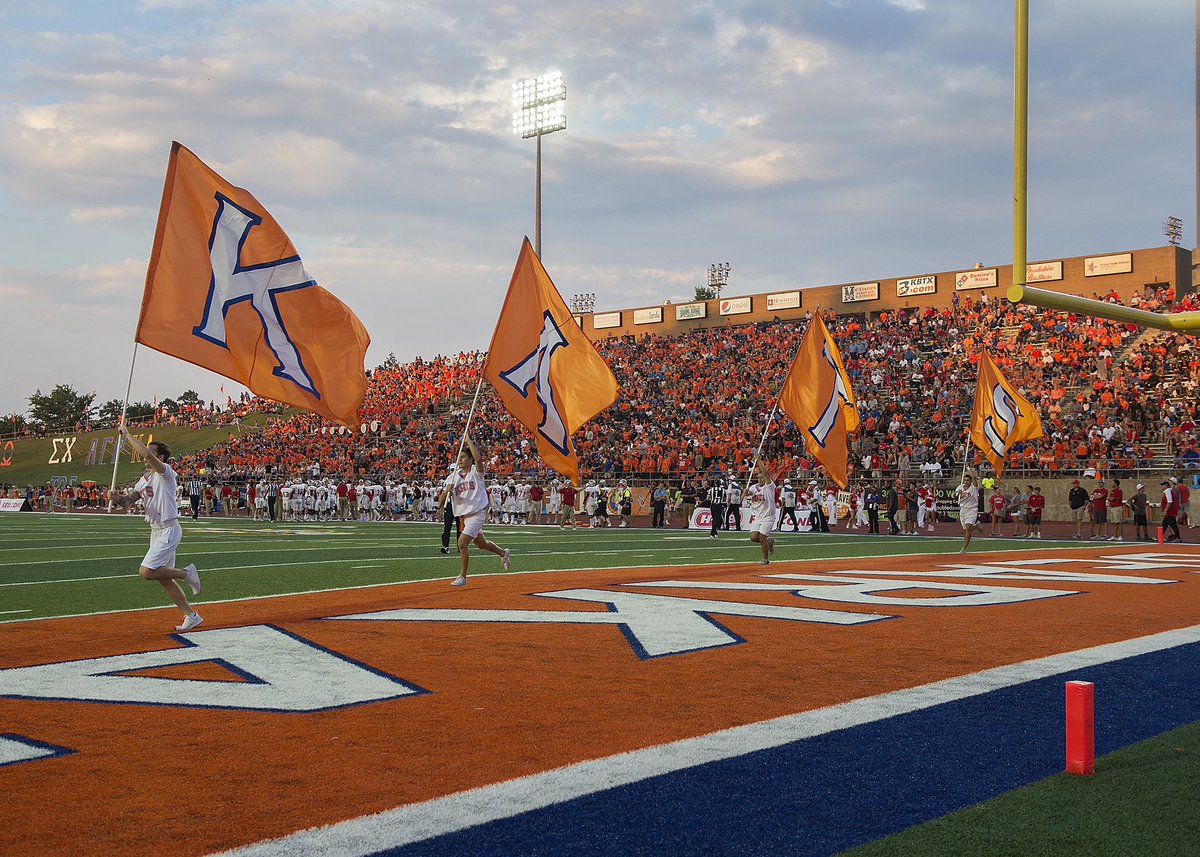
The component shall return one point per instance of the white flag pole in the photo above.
(758, 452)
(112, 490)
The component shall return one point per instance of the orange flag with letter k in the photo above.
(818, 398)
(544, 368)
(1001, 416)
(226, 290)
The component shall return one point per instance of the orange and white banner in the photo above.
(546, 371)
(1001, 416)
(226, 290)
(818, 398)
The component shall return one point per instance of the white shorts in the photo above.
(163, 542)
(472, 524)
(762, 525)
(968, 520)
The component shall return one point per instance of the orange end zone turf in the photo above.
(478, 702)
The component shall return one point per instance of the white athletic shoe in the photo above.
(193, 579)
(764, 562)
(506, 560)
(461, 580)
(190, 621)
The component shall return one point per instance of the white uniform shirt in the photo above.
(762, 501)
(468, 492)
(158, 495)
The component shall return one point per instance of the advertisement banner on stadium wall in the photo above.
(735, 306)
(979, 278)
(702, 519)
(1102, 266)
(653, 315)
(1043, 272)
(783, 300)
(916, 286)
(20, 504)
(688, 312)
(603, 320)
(860, 292)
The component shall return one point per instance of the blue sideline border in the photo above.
(825, 794)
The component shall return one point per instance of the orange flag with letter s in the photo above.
(818, 398)
(1001, 416)
(226, 290)
(545, 370)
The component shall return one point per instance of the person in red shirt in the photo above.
(1116, 511)
(537, 508)
(569, 495)
(1099, 512)
(1036, 503)
(1170, 509)
(997, 503)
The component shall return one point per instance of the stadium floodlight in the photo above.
(718, 277)
(539, 108)
(1173, 229)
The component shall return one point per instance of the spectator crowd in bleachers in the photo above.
(1112, 398)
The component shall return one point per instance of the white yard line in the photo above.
(417, 822)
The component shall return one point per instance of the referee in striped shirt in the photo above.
(195, 492)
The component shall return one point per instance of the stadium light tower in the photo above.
(1173, 229)
(539, 108)
(718, 277)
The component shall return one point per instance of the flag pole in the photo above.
(758, 452)
(112, 490)
(470, 415)
(466, 430)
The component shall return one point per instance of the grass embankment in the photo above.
(31, 457)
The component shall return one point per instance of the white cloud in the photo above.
(806, 143)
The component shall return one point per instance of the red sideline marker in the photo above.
(1081, 742)
(1160, 540)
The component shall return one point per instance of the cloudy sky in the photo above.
(806, 142)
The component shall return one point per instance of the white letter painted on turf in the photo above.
(270, 670)
(655, 625)
(849, 590)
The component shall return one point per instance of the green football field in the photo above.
(1142, 801)
(66, 565)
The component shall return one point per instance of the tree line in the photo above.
(65, 407)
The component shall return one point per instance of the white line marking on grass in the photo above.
(417, 822)
(5, 612)
(563, 569)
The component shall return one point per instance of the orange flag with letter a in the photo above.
(225, 290)
(818, 398)
(1001, 416)
(546, 371)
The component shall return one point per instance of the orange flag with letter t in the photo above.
(1001, 416)
(817, 397)
(545, 370)
(225, 290)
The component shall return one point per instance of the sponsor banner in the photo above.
(19, 504)
(783, 300)
(687, 312)
(603, 320)
(735, 306)
(653, 315)
(702, 519)
(916, 286)
(1101, 266)
(860, 292)
(979, 278)
(1043, 272)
